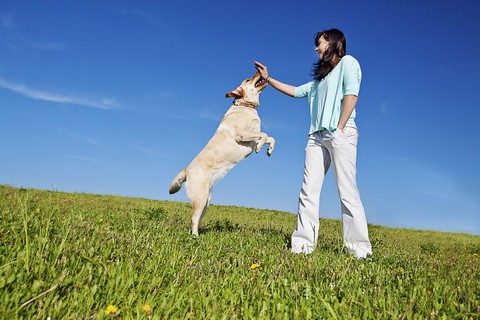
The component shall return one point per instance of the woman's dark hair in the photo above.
(337, 45)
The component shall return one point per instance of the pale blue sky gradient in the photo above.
(116, 97)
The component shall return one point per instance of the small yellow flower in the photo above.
(111, 310)
(37, 210)
(147, 308)
(255, 266)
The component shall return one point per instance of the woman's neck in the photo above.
(335, 60)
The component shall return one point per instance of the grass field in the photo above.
(81, 256)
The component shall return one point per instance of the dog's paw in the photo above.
(269, 151)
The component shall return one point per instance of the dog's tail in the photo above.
(177, 182)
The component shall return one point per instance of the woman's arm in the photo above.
(287, 89)
(349, 102)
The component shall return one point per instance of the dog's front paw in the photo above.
(269, 150)
(259, 147)
(271, 146)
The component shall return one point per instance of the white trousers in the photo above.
(339, 149)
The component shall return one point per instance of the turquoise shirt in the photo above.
(326, 97)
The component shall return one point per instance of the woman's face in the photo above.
(322, 45)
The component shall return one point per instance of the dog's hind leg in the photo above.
(199, 208)
(205, 209)
(200, 201)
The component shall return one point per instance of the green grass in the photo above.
(69, 256)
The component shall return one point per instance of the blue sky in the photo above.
(116, 97)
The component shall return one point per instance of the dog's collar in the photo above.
(244, 104)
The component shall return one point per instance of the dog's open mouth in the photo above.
(260, 82)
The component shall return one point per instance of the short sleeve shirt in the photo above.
(326, 97)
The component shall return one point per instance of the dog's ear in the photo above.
(237, 93)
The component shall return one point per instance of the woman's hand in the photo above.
(280, 86)
(261, 69)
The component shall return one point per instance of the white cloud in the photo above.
(159, 94)
(90, 141)
(206, 114)
(432, 193)
(7, 20)
(277, 125)
(104, 103)
(148, 151)
(14, 40)
(86, 139)
(436, 176)
(145, 16)
(48, 46)
(137, 13)
(86, 159)
(384, 107)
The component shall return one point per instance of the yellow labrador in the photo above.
(237, 136)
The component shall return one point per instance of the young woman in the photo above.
(333, 136)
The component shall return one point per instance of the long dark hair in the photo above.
(337, 45)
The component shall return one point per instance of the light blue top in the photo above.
(326, 97)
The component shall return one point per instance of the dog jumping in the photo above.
(237, 136)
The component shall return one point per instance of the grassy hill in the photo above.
(81, 256)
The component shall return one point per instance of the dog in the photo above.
(237, 136)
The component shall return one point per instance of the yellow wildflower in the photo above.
(111, 310)
(37, 210)
(147, 308)
(255, 266)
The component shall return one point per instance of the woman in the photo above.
(333, 136)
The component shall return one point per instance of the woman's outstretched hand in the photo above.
(287, 89)
(261, 69)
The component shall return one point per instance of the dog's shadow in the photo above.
(226, 226)
(220, 226)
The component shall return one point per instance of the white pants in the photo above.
(339, 149)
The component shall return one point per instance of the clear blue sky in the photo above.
(116, 97)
